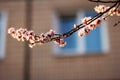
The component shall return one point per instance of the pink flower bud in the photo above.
(52, 32)
(11, 30)
(85, 20)
(87, 31)
(118, 12)
(81, 32)
(31, 45)
(101, 8)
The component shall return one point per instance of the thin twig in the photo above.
(100, 1)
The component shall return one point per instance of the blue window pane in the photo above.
(93, 40)
(0, 28)
(66, 24)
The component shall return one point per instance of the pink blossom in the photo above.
(85, 20)
(11, 30)
(60, 42)
(111, 12)
(101, 8)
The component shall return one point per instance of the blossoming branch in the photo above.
(88, 24)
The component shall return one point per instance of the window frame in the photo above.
(3, 28)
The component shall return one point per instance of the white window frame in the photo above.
(3, 27)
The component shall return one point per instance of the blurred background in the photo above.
(93, 57)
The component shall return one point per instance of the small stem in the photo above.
(100, 1)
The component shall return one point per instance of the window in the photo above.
(96, 42)
(3, 20)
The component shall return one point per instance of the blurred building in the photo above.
(41, 62)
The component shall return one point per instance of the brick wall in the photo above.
(44, 66)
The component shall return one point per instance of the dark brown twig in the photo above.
(100, 1)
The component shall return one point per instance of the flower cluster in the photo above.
(114, 11)
(23, 34)
(86, 30)
(111, 12)
(60, 42)
(101, 8)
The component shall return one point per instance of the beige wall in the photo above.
(11, 68)
(44, 66)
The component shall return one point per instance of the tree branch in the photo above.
(103, 11)
(67, 34)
